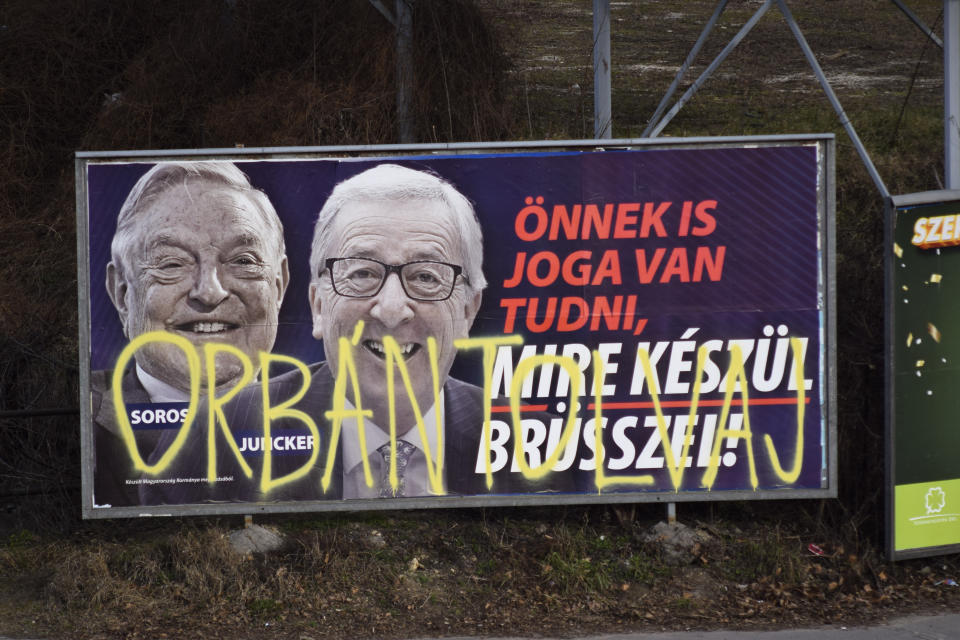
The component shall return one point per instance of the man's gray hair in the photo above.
(391, 182)
(165, 176)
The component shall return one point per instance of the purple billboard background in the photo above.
(765, 219)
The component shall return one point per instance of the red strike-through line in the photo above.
(736, 402)
(668, 404)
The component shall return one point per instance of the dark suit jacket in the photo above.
(463, 429)
(112, 465)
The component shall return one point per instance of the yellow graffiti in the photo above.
(674, 466)
(676, 474)
(395, 358)
(600, 478)
(346, 367)
(524, 368)
(347, 378)
(126, 431)
(790, 477)
(284, 410)
(215, 406)
(677, 470)
(489, 347)
(734, 374)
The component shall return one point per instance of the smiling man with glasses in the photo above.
(400, 251)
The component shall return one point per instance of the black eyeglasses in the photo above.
(424, 280)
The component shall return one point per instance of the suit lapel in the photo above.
(463, 430)
(105, 412)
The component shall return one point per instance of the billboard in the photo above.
(395, 327)
(923, 357)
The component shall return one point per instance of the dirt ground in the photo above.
(495, 572)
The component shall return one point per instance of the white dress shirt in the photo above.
(160, 391)
(417, 479)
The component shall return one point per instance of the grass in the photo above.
(502, 572)
(509, 571)
(583, 559)
(751, 560)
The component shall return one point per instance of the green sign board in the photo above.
(923, 346)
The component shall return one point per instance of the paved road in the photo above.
(943, 627)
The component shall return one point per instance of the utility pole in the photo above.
(404, 13)
(602, 112)
(951, 92)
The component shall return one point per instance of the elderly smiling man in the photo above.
(199, 253)
(392, 221)
(397, 278)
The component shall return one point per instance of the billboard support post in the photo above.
(655, 118)
(920, 23)
(602, 109)
(692, 90)
(405, 72)
(834, 101)
(655, 127)
(951, 88)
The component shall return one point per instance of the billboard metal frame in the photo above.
(826, 208)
